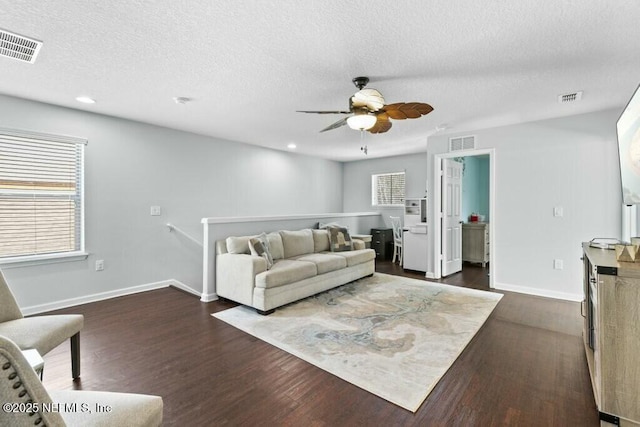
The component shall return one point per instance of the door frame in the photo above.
(437, 208)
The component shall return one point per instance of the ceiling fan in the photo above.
(367, 110)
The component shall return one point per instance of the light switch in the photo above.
(558, 264)
(558, 211)
(156, 211)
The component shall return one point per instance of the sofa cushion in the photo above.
(285, 271)
(238, 245)
(325, 262)
(339, 239)
(356, 257)
(297, 242)
(259, 246)
(275, 245)
(320, 240)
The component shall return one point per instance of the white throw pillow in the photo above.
(238, 245)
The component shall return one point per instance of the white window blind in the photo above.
(41, 194)
(388, 189)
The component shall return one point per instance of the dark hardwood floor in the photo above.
(525, 367)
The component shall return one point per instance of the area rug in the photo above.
(390, 335)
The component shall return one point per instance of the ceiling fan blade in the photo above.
(336, 125)
(382, 125)
(324, 112)
(407, 110)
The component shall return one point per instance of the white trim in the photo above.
(538, 292)
(20, 133)
(232, 219)
(31, 260)
(208, 297)
(71, 302)
(437, 205)
(179, 285)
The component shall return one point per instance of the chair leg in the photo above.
(75, 356)
(395, 248)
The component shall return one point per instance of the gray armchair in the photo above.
(26, 402)
(43, 333)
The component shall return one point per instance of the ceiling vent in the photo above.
(570, 97)
(462, 143)
(18, 47)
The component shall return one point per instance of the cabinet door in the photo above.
(619, 335)
(414, 246)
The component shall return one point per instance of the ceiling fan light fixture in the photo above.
(361, 121)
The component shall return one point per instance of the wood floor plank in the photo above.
(525, 367)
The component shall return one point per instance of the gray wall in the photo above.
(131, 166)
(569, 162)
(357, 182)
(475, 187)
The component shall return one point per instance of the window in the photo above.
(387, 189)
(41, 195)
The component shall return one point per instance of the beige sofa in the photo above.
(303, 265)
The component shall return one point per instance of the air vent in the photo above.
(18, 47)
(570, 97)
(462, 143)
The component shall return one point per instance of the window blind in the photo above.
(388, 189)
(41, 194)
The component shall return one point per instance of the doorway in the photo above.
(439, 208)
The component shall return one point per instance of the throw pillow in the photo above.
(238, 245)
(326, 225)
(339, 239)
(259, 246)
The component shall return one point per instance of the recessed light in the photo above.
(291, 146)
(86, 100)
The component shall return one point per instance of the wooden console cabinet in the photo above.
(611, 311)
(475, 242)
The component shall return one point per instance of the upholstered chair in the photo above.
(27, 403)
(42, 333)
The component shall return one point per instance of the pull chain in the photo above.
(363, 148)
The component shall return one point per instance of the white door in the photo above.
(451, 220)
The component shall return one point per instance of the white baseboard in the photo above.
(208, 297)
(179, 285)
(71, 302)
(538, 292)
(430, 275)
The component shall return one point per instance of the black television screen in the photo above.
(628, 129)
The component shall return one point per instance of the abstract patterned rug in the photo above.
(390, 335)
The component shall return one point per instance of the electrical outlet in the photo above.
(156, 211)
(99, 265)
(558, 264)
(558, 211)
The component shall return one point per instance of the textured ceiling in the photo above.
(249, 65)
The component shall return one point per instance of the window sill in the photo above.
(31, 260)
